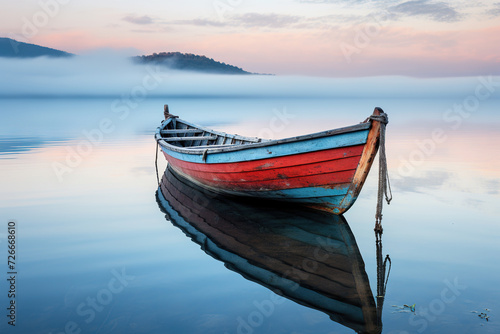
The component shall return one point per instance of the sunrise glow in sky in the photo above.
(428, 38)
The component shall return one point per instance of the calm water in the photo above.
(96, 254)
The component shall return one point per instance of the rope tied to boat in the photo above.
(384, 186)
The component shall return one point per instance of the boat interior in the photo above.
(183, 134)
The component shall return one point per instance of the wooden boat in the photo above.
(325, 170)
(308, 256)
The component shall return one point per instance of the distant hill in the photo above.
(176, 60)
(190, 62)
(14, 49)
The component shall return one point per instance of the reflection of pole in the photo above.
(156, 164)
(381, 276)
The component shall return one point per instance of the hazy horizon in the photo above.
(423, 38)
(114, 74)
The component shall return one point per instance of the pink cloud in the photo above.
(392, 51)
(75, 41)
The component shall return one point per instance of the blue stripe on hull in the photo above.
(302, 193)
(284, 149)
(334, 203)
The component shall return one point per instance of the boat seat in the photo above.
(190, 131)
(213, 146)
(190, 138)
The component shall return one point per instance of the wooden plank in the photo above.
(278, 162)
(190, 131)
(189, 138)
(275, 168)
(264, 181)
(240, 153)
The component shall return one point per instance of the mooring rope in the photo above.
(384, 186)
(384, 190)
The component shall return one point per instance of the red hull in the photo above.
(327, 168)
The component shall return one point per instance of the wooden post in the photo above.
(165, 111)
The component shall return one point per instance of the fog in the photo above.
(112, 74)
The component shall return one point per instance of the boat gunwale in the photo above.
(198, 150)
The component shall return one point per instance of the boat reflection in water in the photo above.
(310, 257)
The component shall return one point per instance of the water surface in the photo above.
(97, 254)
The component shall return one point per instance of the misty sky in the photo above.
(428, 38)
